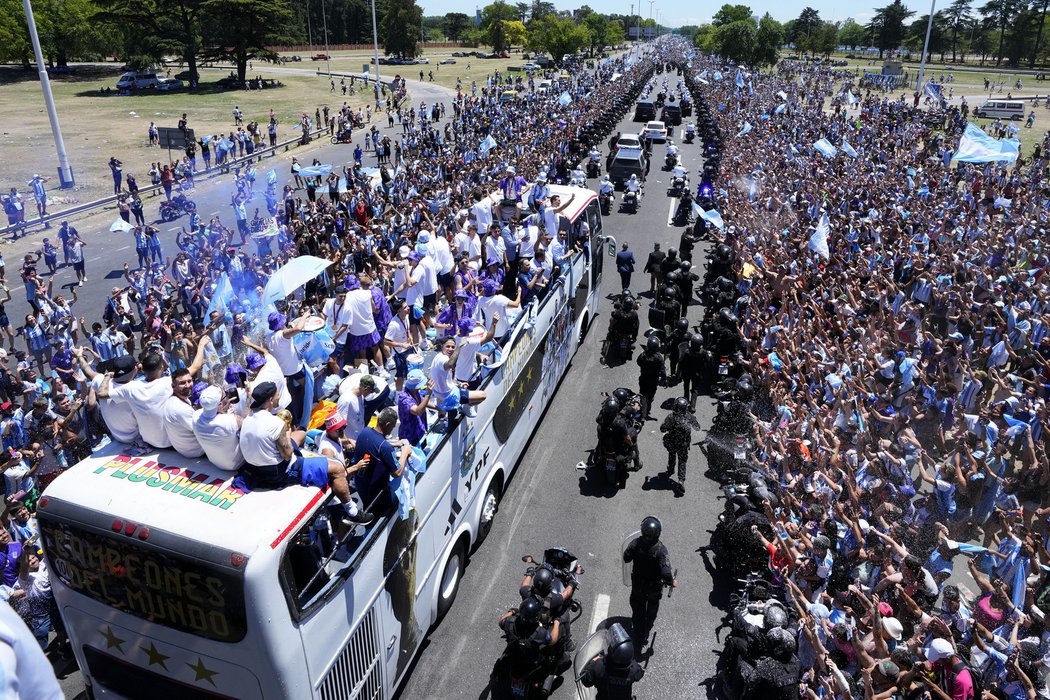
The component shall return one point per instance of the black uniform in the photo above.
(678, 436)
(672, 309)
(613, 682)
(674, 352)
(651, 369)
(651, 571)
(525, 641)
(612, 434)
(691, 365)
(685, 286)
(772, 680)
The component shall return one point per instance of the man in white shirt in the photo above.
(281, 344)
(351, 404)
(429, 281)
(494, 306)
(468, 242)
(147, 397)
(449, 394)
(398, 341)
(414, 295)
(272, 459)
(552, 213)
(117, 415)
(177, 414)
(218, 431)
(467, 364)
(337, 320)
(263, 367)
(446, 264)
(481, 211)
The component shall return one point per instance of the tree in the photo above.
(540, 9)
(515, 33)
(455, 24)
(1042, 7)
(703, 39)
(523, 11)
(727, 14)
(957, 16)
(736, 41)
(557, 36)
(240, 30)
(492, 18)
(888, 25)
(400, 27)
(802, 30)
(600, 29)
(14, 34)
(852, 34)
(999, 14)
(938, 35)
(768, 40)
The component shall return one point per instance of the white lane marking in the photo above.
(670, 211)
(176, 228)
(124, 247)
(601, 611)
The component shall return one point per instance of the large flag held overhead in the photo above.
(713, 217)
(316, 170)
(818, 241)
(739, 79)
(746, 128)
(848, 149)
(717, 76)
(487, 144)
(976, 146)
(121, 226)
(825, 147)
(565, 99)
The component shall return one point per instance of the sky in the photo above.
(675, 13)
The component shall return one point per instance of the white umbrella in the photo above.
(292, 275)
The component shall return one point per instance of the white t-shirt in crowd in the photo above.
(465, 243)
(467, 361)
(271, 372)
(259, 434)
(119, 417)
(284, 350)
(527, 238)
(429, 280)
(218, 437)
(362, 322)
(336, 318)
(324, 442)
(397, 333)
(414, 294)
(495, 304)
(482, 212)
(178, 423)
(147, 401)
(442, 378)
(442, 253)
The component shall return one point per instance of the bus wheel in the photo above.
(450, 579)
(489, 508)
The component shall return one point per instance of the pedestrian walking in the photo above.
(652, 266)
(650, 573)
(625, 266)
(678, 429)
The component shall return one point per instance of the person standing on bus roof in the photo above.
(377, 452)
(273, 460)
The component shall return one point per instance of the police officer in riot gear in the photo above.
(689, 237)
(614, 435)
(692, 366)
(670, 262)
(686, 277)
(539, 584)
(650, 373)
(669, 304)
(679, 335)
(614, 670)
(631, 411)
(678, 429)
(774, 676)
(526, 637)
(650, 572)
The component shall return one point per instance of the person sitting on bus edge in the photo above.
(178, 416)
(441, 374)
(118, 416)
(273, 460)
(280, 341)
(382, 462)
(148, 396)
(334, 445)
(217, 429)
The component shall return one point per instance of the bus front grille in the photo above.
(357, 673)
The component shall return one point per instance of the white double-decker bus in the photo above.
(174, 584)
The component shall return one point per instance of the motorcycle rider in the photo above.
(614, 435)
(526, 637)
(651, 371)
(650, 572)
(614, 670)
(538, 583)
(678, 429)
(593, 159)
(631, 411)
(635, 186)
(605, 187)
(692, 365)
(690, 131)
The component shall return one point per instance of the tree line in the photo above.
(1003, 32)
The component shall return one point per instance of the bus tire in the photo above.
(489, 508)
(448, 587)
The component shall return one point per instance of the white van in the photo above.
(1000, 109)
(139, 79)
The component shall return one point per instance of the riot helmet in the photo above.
(542, 581)
(529, 609)
(651, 528)
(652, 344)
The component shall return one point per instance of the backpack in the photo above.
(976, 679)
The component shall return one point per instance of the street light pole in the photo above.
(925, 46)
(65, 171)
(651, 2)
(375, 45)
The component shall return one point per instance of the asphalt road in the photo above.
(550, 503)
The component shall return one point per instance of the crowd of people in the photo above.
(894, 316)
(431, 263)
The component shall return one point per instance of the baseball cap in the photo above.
(263, 393)
(940, 649)
(334, 422)
(210, 398)
(124, 368)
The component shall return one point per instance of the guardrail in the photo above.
(257, 155)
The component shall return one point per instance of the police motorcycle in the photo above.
(618, 345)
(594, 163)
(761, 624)
(671, 159)
(683, 215)
(618, 424)
(605, 195)
(522, 671)
(679, 180)
(690, 133)
(632, 195)
(604, 664)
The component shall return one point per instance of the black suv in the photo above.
(672, 114)
(645, 111)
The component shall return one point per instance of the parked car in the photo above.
(543, 86)
(230, 82)
(169, 84)
(187, 75)
(291, 59)
(460, 54)
(530, 67)
(422, 60)
(448, 61)
(141, 80)
(320, 57)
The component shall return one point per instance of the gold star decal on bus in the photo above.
(155, 657)
(521, 388)
(528, 375)
(113, 640)
(202, 671)
(513, 400)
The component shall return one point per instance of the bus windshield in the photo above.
(180, 592)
